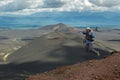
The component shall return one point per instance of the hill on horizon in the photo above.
(48, 52)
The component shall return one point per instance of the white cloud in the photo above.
(31, 6)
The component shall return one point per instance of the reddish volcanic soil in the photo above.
(104, 69)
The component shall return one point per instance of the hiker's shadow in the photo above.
(79, 54)
(103, 53)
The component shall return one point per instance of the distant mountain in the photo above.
(80, 18)
(71, 18)
(76, 19)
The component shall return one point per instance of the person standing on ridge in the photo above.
(89, 40)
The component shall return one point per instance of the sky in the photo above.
(73, 12)
(26, 7)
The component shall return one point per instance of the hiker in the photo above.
(89, 40)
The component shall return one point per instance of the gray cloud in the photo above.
(105, 3)
(14, 6)
(52, 4)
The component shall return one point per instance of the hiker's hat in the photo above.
(88, 28)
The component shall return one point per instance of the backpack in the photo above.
(89, 36)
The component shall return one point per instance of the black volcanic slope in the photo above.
(45, 53)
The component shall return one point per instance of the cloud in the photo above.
(52, 3)
(105, 3)
(32, 6)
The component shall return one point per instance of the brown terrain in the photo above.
(104, 69)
